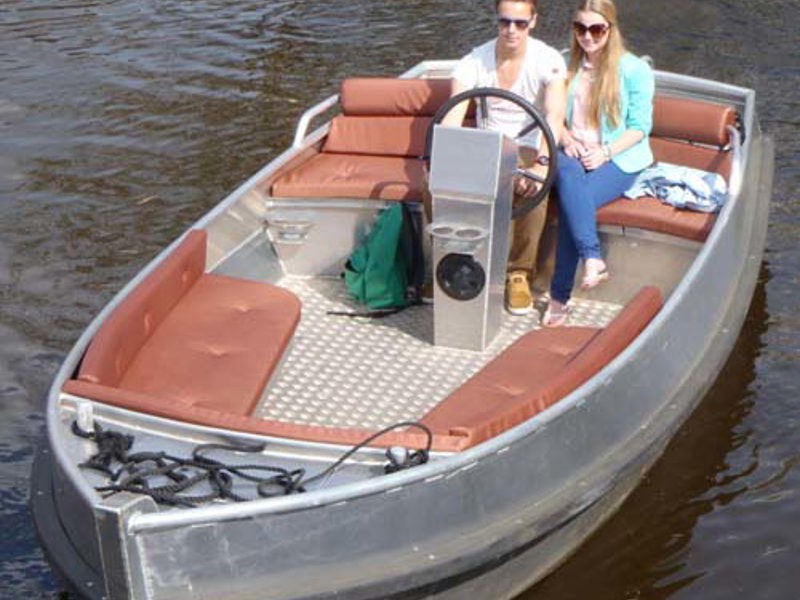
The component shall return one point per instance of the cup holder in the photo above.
(457, 237)
(288, 231)
(469, 233)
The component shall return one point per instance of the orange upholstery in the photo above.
(692, 120)
(355, 176)
(653, 215)
(390, 136)
(374, 147)
(196, 378)
(536, 371)
(380, 96)
(685, 132)
(183, 336)
(221, 418)
(373, 151)
(125, 331)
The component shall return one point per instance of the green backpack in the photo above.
(381, 269)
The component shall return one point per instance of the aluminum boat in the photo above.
(447, 450)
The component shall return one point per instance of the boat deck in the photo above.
(384, 370)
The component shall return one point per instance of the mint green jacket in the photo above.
(637, 86)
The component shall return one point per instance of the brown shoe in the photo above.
(519, 300)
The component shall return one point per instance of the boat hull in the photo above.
(488, 522)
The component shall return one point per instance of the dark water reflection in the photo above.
(121, 122)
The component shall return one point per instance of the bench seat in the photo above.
(210, 356)
(374, 150)
(653, 215)
(189, 338)
(685, 132)
(536, 371)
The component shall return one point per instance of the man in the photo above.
(530, 68)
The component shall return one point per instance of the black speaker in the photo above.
(460, 276)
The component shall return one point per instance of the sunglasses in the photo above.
(520, 24)
(597, 30)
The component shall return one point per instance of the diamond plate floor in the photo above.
(371, 373)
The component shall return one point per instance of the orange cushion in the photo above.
(525, 365)
(355, 176)
(385, 96)
(536, 371)
(692, 120)
(133, 321)
(226, 419)
(185, 336)
(653, 215)
(382, 136)
(679, 124)
(699, 157)
(218, 347)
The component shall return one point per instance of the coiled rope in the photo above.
(145, 472)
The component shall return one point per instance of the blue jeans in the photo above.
(580, 194)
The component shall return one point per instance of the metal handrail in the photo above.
(305, 118)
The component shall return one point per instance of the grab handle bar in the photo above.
(305, 118)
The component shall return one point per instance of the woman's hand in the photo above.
(572, 146)
(594, 158)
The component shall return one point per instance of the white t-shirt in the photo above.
(542, 65)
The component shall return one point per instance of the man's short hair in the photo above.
(531, 3)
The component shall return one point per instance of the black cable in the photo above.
(372, 438)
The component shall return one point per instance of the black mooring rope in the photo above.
(138, 472)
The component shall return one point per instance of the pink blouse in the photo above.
(580, 128)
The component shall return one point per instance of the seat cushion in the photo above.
(653, 215)
(129, 326)
(529, 363)
(690, 155)
(386, 96)
(536, 371)
(692, 120)
(219, 345)
(330, 175)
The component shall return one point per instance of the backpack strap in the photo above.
(411, 248)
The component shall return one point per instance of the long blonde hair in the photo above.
(604, 99)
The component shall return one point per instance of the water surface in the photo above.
(121, 122)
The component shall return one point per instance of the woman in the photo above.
(604, 146)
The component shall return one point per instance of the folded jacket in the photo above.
(681, 187)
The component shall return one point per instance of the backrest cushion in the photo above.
(379, 136)
(692, 120)
(128, 327)
(692, 133)
(389, 97)
(385, 116)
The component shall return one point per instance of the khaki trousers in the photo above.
(525, 233)
(524, 236)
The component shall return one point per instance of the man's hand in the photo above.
(527, 188)
(524, 187)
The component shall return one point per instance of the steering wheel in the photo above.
(549, 160)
